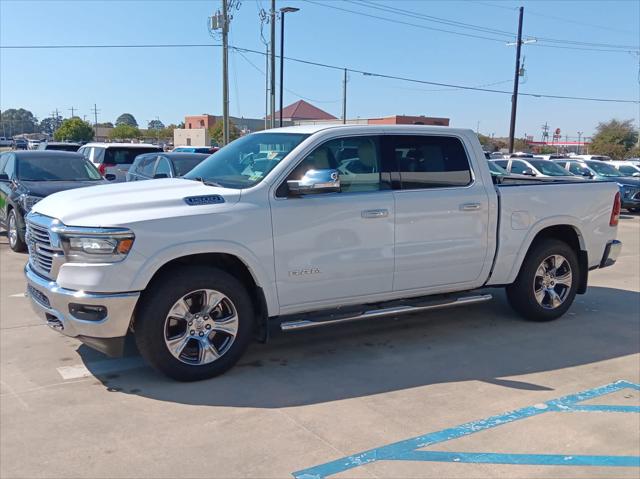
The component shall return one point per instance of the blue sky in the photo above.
(171, 82)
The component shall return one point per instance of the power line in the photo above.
(404, 23)
(599, 47)
(322, 65)
(257, 68)
(561, 19)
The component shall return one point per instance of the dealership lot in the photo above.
(306, 401)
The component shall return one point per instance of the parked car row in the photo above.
(577, 168)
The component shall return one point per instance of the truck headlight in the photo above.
(95, 245)
(27, 201)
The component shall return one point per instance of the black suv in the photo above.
(28, 176)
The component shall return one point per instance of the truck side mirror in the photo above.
(316, 181)
(110, 176)
(160, 175)
(529, 172)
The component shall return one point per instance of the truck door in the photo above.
(442, 213)
(335, 245)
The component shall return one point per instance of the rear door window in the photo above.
(518, 167)
(429, 161)
(119, 155)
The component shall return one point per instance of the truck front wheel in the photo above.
(546, 285)
(194, 323)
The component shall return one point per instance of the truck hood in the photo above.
(125, 203)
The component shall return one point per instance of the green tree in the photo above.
(614, 138)
(125, 132)
(17, 121)
(50, 125)
(126, 119)
(216, 132)
(74, 129)
(155, 125)
(633, 152)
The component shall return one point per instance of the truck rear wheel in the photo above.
(194, 323)
(546, 285)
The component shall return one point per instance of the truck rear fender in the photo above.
(563, 229)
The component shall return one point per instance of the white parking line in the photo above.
(18, 295)
(78, 371)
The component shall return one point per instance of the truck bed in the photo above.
(526, 207)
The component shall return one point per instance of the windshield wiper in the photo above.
(206, 182)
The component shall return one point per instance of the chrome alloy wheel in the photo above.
(12, 231)
(201, 327)
(552, 281)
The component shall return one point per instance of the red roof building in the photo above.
(301, 110)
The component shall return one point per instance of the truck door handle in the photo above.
(470, 206)
(381, 213)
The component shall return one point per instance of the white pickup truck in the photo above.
(306, 226)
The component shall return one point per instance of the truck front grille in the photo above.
(41, 253)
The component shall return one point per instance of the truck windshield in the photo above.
(549, 168)
(602, 169)
(246, 161)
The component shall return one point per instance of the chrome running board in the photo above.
(381, 312)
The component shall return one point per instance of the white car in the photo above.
(33, 144)
(538, 167)
(627, 168)
(197, 267)
(114, 159)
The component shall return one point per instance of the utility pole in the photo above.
(95, 114)
(516, 81)
(344, 98)
(266, 88)
(282, 14)
(272, 93)
(55, 114)
(225, 72)
(73, 111)
(579, 137)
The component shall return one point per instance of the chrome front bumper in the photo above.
(611, 253)
(51, 303)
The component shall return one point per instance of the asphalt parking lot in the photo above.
(472, 392)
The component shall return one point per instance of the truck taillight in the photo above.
(615, 211)
(102, 168)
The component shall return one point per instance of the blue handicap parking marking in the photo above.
(407, 450)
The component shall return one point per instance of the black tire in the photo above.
(162, 294)
(521, 294)
(18, 245)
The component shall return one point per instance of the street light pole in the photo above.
(272, 71)
(225, 73)
(282, 15)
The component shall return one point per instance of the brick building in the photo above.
(199, 121)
